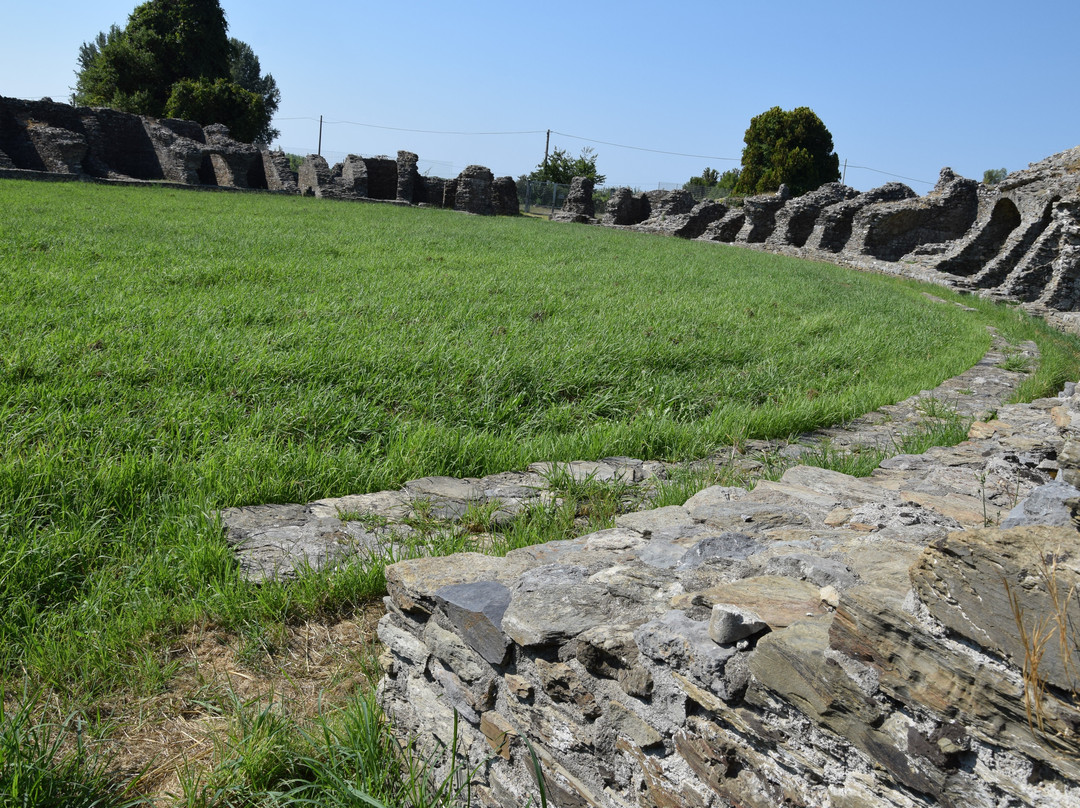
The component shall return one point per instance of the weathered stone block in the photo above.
(729, 624)
(476, 610)
(578, 206)
(472, 191)
(978, 583)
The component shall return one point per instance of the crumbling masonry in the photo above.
(44, 138)
(1018, 240)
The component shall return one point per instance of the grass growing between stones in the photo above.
(165, 354)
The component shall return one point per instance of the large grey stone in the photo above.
(1055, 503)
(726, 547)
(676, 641)
(729, 624)
(476, 609)
(554, 603)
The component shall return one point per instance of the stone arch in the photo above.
(256, 174)
(998, 269)
(1004, 219)
(207, 172)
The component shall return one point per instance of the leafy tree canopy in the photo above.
(562, 168)
(719, 185)
(245, 71)
(174, 58)
(787, 147)
(709, 177)
(992, 176)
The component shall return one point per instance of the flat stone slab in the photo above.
(281, 541)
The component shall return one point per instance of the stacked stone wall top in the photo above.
(818, 640)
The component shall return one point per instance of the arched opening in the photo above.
(256, 174)
(207, 172)
(998, 269)
(988, 243)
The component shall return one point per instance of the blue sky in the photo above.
(904, 87)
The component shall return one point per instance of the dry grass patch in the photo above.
(168, 741)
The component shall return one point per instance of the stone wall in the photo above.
(1018, 240)
(820, 640)
(44, 137)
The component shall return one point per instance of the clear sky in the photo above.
(904, 87)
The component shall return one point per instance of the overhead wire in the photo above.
(417, 131)
(642, 148)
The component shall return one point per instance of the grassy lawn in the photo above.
(164, 354)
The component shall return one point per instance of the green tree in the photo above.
(787, 147)
(709, 177)
(728, 180)
(174, 56)
(245, 71)
(992, 176)
(716, 185)
(219, 101)
(561, 167)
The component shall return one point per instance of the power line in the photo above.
(417, 131)
(642, 148)
(711, 157)
(587, 140)
(890, 174)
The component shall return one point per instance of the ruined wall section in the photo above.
(889, 231)
(44, 137)
(819, 640)
(1017, 240)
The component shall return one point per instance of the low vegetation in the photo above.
(164, 354)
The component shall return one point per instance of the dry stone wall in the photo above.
(44, 138)
(820, 640)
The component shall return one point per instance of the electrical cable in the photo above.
(642, 148)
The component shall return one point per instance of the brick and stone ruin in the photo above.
(44, 138)
(1018, 240)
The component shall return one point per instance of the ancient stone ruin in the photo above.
(579, 205)
(1018, 240)
(819, 640)
(47, 139)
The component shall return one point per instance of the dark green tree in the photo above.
(561, 167)
(174, 58)
(219, 101)
(992, 176)
(89, 51)
(244, 70)
(787, 147)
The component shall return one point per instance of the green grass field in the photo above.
(164, 354)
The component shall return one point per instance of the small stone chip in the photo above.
(830, 596)
(499, 732)
(730, 623)
(837, 517)
(518, 685)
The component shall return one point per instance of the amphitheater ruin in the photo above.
(819, 640)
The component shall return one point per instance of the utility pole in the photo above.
(546, 144)
(319, 152)
(844, 178)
